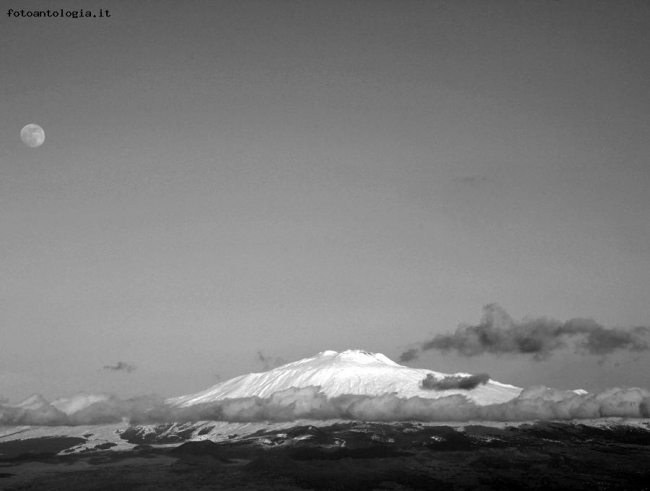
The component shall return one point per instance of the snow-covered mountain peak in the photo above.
(34, 401)
(356, 372)
(350, 358)
(361, 357)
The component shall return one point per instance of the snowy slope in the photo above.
(348, 372)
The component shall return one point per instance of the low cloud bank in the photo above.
(84, 409)
(467, 382)
(310, 403)
(497, 333)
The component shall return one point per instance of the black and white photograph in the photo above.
(319, 245)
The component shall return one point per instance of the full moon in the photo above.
(32, 135)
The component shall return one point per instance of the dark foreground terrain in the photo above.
(344, 456)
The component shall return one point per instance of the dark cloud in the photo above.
(408, 355)
(467, 382)
(120, 366)
(310, 403)
(269, 363)
(497, 333)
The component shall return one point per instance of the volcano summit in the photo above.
(355, 372)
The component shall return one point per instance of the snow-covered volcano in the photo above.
(348, 372)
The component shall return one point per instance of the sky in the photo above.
(228, 182)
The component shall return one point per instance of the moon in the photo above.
(32, 135)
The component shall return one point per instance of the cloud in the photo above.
(408, 355)
(85, 409)
(311, 403)
(121, 366)
(268, 363)
(497, 333)
(467, 382)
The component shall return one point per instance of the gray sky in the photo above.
(224, 177)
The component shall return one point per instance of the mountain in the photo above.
(78, 402)
(36, 401)
(349, 372)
